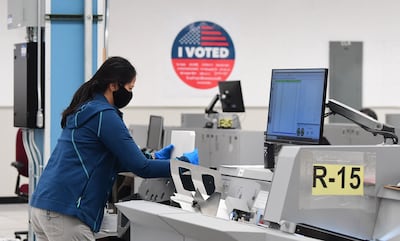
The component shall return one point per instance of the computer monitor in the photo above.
(230, 94)
(155, 132)
(296, 106)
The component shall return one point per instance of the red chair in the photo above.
(21, 164)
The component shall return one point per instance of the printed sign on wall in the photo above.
(203, 54)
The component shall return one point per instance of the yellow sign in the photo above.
(225, 123)
(332, 179)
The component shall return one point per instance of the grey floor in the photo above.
(13, 217)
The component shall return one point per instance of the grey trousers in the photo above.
(52, 226)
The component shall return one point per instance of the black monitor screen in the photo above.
(230, 94)
(155, 132)
(296, 106)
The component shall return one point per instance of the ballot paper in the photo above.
(183, 141)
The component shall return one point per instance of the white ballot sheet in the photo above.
(183, 141)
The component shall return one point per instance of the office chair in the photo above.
(21, 164)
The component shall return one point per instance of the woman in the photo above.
(94, 146)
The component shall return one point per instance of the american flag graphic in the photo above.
(203, 54)
(204, 35)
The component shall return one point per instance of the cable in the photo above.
(34, 157)
(39, 114)
(328, 114)
(31, 173)
(36, 153)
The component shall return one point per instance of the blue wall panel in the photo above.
(67, 59)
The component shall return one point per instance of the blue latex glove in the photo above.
(164, 153)
(191, 157)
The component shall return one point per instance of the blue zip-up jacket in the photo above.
(93, 148)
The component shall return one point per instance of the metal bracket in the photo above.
(71, 17)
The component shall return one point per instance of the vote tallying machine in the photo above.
(331, 192)
(318, 192)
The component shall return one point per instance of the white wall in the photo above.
(7, 40)
(267, 34)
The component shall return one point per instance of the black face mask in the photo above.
(122, 97)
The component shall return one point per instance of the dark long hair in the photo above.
(113, 70)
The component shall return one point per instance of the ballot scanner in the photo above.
(336, 192)
(317, 193)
